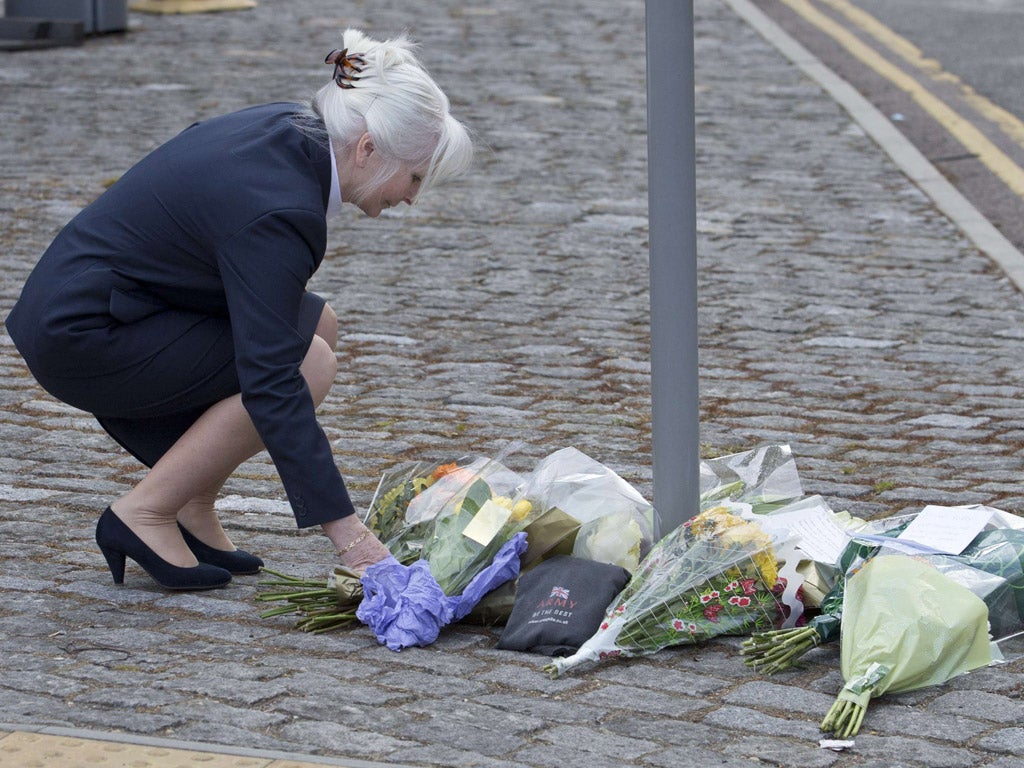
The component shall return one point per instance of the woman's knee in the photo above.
(327, 328)
(319, 368)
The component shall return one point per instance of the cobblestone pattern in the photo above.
(840, 313)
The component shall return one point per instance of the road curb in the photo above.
(273, 758)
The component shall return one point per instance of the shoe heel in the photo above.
(115, 561)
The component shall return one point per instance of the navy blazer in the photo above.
(226, 219)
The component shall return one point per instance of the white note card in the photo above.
(487, 522)
(816, 532)
(947, 529)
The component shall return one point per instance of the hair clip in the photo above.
(343, 63)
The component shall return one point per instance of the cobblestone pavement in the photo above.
(840, 313)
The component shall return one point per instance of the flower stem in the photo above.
(325, 622)
(316, 600)
(559, 665)
(296, 597)
(844, 719)
(281, 610)
(776, 650)
(286, 579)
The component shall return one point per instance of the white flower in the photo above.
(612, 539)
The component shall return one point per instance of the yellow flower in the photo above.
(521, 509)
(729, 530)
(765, 563)
(712, 522)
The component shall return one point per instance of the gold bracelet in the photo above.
(352, 543)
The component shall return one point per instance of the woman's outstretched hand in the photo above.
(357, 547)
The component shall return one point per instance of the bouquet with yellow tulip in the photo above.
(455, 516)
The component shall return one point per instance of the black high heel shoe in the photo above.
(117, 541)
(238, 561)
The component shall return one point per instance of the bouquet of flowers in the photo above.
(325, 605)
(715, 575)
(760, 480)
(778, 649)
(580, 508)
(454, 518)
(398, 487)
(998, 550)
(465, 536)
(409, 498)
(614, 523)
(910, 622)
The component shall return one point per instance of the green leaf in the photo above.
(478, 494)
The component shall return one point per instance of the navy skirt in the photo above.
(189, 366)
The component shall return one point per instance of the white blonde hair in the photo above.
(400, 106)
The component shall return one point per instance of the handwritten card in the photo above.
(947, 529)
(813, 525)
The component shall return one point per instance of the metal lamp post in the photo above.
(672, 210)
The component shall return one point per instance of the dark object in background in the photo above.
(29, 24)
(560, 604)
(26, 34)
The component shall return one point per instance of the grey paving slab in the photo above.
(840, 312)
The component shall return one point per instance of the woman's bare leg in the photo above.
(199, 518)
(198, 515)
(188, 477)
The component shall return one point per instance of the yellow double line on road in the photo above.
(962, 129)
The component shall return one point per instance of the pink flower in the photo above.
(706, 598)
(711, 612)
(678, 625)
(740, 601)
(732, 585)
(749, 586)
(780, 586)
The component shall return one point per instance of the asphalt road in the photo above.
(948, 73)
(980, 41)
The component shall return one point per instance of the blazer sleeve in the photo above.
(265, 267)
